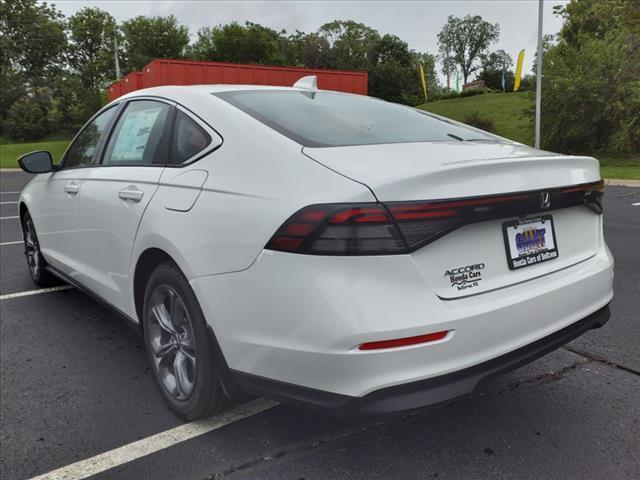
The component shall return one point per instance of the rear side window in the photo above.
(83, 149)
(189, 139)
(141, 135)
(331, 119)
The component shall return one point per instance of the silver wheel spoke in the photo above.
(161, 350)
(162, 316)
(180, 372)
(189, 354)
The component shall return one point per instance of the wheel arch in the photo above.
(23, 209)
(147, 262)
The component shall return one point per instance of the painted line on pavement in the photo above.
(12, 243)
(155, 443)
(8, 296)
(9, 193)
(635, 204)
(8, 203)
(8, 218)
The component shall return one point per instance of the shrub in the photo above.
(483, 123)
(471, 93)
(27, 120)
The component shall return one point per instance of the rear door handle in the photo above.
(72, 188)
(131, 194)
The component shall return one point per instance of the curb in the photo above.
(621, 183)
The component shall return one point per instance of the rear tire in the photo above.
(179, 346)
(36, 262)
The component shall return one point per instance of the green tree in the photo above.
(467, 38)
(91, 54)
(351, 44)
(306, 50)
(591, 81)
(493, 65)
(249, 43)
(32, 46)
(148, 38)
(395, 75)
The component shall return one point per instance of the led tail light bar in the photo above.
(402, 227)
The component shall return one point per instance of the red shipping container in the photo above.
(183, 72)
(114, 91)
(132, 82)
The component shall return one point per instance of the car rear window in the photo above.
(330, 119)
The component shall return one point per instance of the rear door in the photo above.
(116, 191)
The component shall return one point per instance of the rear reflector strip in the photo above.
(403, 342)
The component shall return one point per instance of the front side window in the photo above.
(141, 135)
(331, 119)
(189, 139)
(83, 149)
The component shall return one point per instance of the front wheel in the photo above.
(35, 260)
(178, 346)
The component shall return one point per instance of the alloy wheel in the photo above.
(172, 341)
(32, 249)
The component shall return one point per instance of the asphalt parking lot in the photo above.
(74, 384)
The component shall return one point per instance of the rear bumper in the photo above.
(424, 392)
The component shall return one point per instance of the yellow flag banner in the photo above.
(424, 82)
(516, 84)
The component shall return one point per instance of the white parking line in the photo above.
(7, 203)
(635, 204)
(7, 296)
(8, 218)
(9, 193)
(11, 243)
(147, 446)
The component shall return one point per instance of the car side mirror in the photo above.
(36, 162)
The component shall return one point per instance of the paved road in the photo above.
(75, 383)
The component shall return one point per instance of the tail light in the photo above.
(402, 227)
(343, 229)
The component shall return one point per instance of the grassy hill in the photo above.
(508, 114)
(506, 110)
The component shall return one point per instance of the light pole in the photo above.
(539, 75)
(115, 51)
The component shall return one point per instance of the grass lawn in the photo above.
(9, 152)
(505, 109)
(507, 113)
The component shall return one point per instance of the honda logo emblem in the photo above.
(545, 200)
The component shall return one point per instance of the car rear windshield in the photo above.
(330, 119)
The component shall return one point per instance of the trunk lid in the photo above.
(473, 258)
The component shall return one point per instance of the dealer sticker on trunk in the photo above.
(529, 241)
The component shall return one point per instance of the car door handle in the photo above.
(72, 188)
(131, 194)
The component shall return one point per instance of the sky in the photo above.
(415, 22)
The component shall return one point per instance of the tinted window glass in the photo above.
(189, 139)
(140, 136)
(326, 119)
(83, 149)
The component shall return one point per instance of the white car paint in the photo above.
(299, 318)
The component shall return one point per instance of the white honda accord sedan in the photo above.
(319, 248)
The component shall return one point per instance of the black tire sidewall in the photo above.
(207, 395)
(43, 278)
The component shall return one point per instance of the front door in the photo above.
(55, 211)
